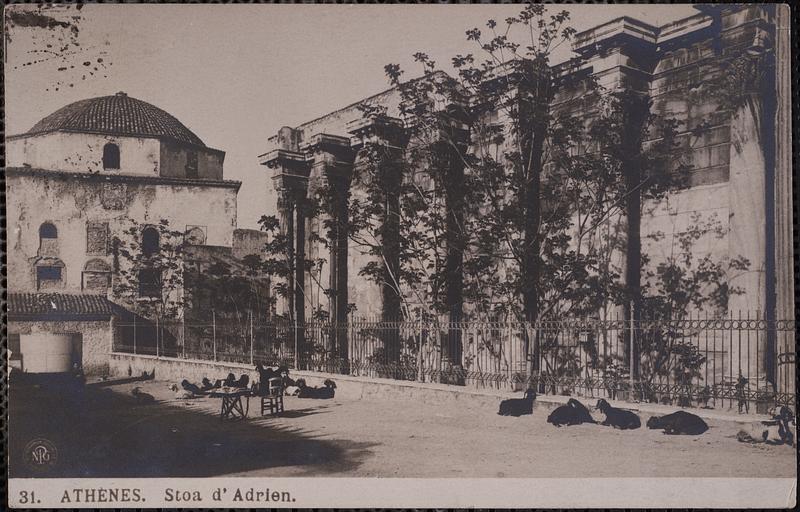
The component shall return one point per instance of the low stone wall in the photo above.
(371, 388)
(352, 388)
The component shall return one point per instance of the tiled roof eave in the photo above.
(59, 317)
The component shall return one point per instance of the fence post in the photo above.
(158, 330)
(214, 332)
(251, 338)
(134, 334)
(631, 350)
(183, 335)
(296, 355)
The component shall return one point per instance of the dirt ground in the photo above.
(112, 435)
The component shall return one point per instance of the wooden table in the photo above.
(232, 407)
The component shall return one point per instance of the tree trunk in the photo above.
(455, 243)
(535, 97)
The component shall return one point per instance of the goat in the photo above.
(243, 381)
(573, 413)
(678, 423)
(191, 388)
(294, 389)
(208, 385)
(319, 393)
(618, 418)
(518, 406)
(230, 381)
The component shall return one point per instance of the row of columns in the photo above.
(319, 171)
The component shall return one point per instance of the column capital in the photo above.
(452, 126)
(333, 155)
(385, 130)
(290, 169)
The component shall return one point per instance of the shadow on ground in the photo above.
(101, 433)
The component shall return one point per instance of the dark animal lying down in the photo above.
(232, 382)
(679, 423)
(319, 393)
(573, 413)
(518, 406)
(618, 418)
(207, 384)
(191, 388)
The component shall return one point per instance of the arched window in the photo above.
(96, 275)
(47, 230)
(150, 241)
(48, 240)
(110, 156)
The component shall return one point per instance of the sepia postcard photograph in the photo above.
(486, 255)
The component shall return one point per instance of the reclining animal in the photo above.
(191, 388)
(779, 430)
(294, 390)
(230, 381)
(518, 406)
(208, 385)
(678, 423)
(618, 418)
(573, 413)
(243, 382)
(322, 393)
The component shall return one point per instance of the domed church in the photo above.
(76, 180)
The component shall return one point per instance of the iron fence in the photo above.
(736, 361)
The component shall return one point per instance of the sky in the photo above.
(234, 74)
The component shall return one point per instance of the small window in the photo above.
(149, 283)
(150, 241)
(48, 230)
(96, 275)
(110, 156)
(48, 276)
(191, 164)
(48, 240)
(97, 238)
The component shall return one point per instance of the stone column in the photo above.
(384, 139)
(331, 169)
(784, 246)
(291, 170)
(387, 137)
(747, 236)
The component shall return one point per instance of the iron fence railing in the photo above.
(706, 362)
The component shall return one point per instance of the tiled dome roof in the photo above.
(116, 115)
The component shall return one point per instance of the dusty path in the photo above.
(113, 436)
